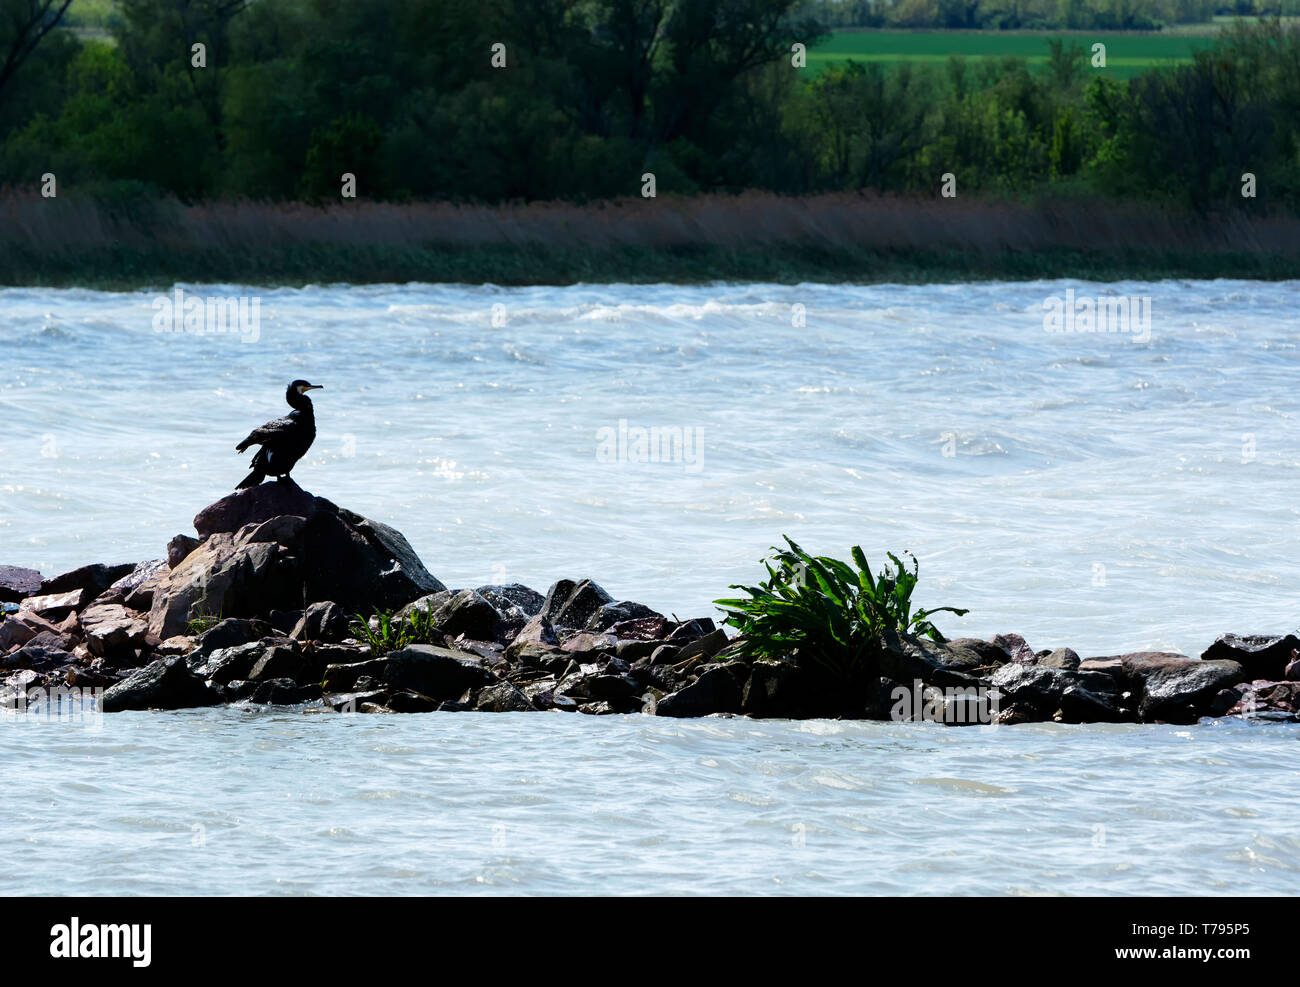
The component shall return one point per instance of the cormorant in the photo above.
(284, 441)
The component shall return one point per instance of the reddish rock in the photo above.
(112, 631)
(1017, 649)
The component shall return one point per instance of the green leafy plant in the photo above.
(393, 633)
(202, 623)
(828, 612)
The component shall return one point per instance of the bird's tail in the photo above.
(259, 471)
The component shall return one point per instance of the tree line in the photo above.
(586, 97)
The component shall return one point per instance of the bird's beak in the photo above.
(313, 387)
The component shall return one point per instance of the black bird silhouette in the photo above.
(285, 440)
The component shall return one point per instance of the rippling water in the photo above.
(231, 802)
(1101, 493)
(1086, 490)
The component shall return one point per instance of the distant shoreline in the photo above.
(148, 243)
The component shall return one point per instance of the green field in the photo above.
(1126, 54)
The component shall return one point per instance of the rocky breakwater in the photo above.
(259, 606)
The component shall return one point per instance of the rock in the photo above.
(165, 684)
(90, 579)
(286, 562)
(20, 628)
(427, 605)
(706, 646)
(468, 613)
(635, 650)
(1080, 705)
(226, 665)
(1175, 688)
(513, 600)
(990, 654)
(570, 604)
(284, 692)
(906, 658)
(347, 702)
(530, 655)
(617, 613)
(227, 634)
(113, 632)
(538, 630)
(178, 548)
(45, 652)
(17, 583)
(690, 630)
(665, 654)
(135, 589)
(1019, 713)
(715, 691)
(1112, 665)
(278, 662)
(1016, 648)
(1042, 689)
(1066, 658)
(643, 629)
(773, 689)
(502, 697)
(613, 687)
(324, 621)
(56, 606)
(344, 678)
(1262, 656)
(587, 644)
(433, 671)
(254, 506)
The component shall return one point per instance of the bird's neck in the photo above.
(299, 402)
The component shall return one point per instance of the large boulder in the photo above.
(432, 671)
(719, 689)
(286, 561)
(1176, 688)
(1262, 656)
(165, 684)
(514, 601)
(1070, 695)
(570, 604)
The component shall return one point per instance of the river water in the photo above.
(1108, 491)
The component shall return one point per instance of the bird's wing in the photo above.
(268, 431)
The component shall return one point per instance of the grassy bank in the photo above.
(755, 236)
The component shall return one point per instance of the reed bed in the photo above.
(74, 239)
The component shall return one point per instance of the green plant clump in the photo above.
(826, 615)
(391, 633)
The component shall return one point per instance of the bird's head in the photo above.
(302, 387)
